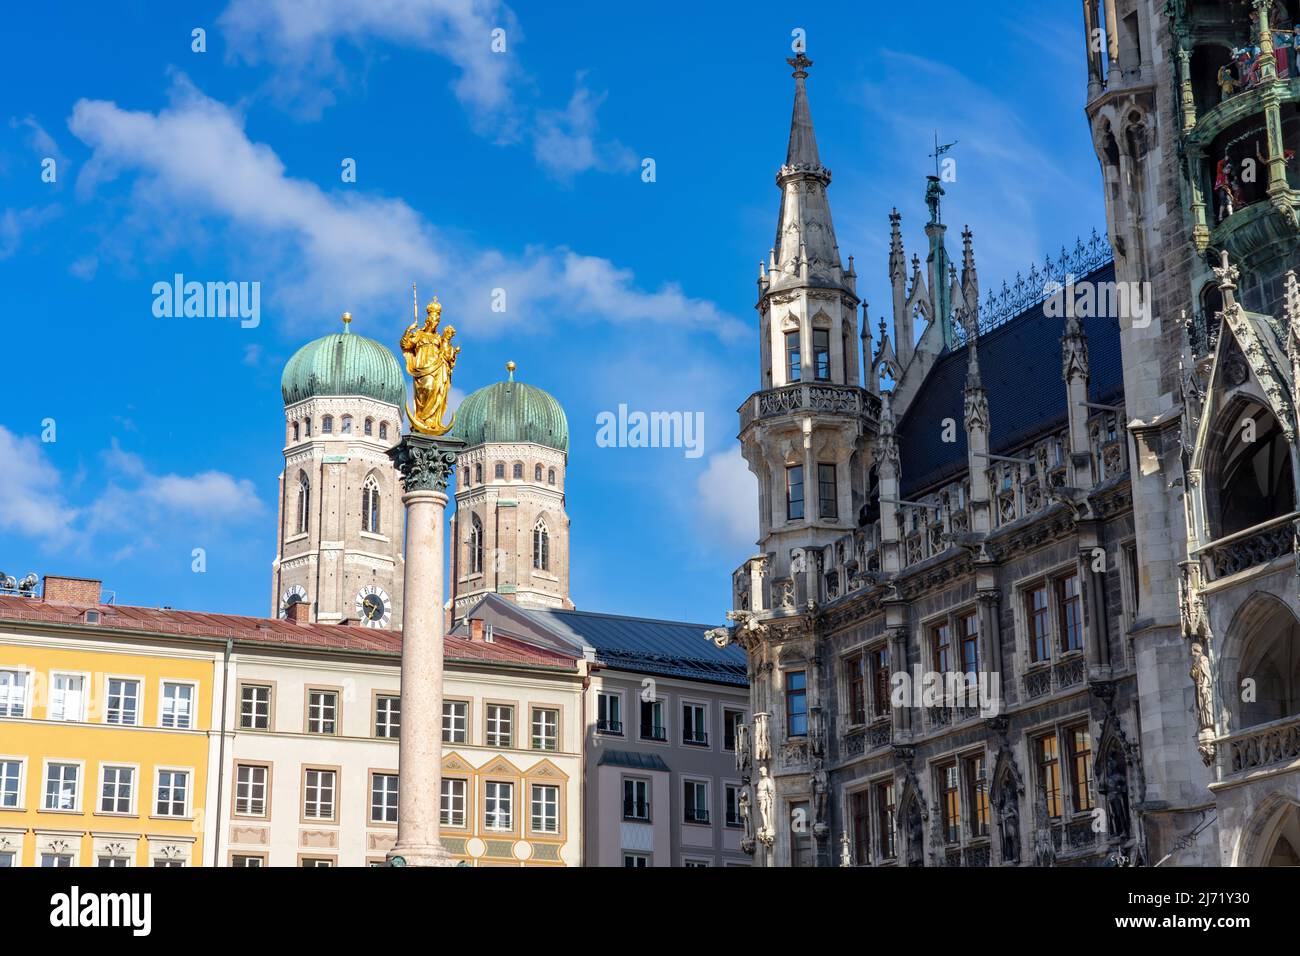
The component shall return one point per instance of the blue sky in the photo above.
(476, 170)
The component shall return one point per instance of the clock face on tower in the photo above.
(292, 596)
(374, 607)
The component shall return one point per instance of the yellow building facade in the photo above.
(106, 743)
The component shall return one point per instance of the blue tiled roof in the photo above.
(1020, 365)
(668, 648)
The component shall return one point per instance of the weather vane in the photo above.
(939, 151)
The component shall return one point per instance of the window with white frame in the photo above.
(177, 705)
(62, 786)
(250, 790)
(636, 860)
(498, 805)
(255, 707)
(695, 730)
(11, 776)
(695, 801)
(388, 716)
(13, 693)
(56, 859)
(546, 728)
(123, 701)
(322, 711)
(117, 789)
(455, 721)
(609, 713)
(453, 801)
(247, 861)
(173, 793)
(6, 860)
(67, 697)
(636, 799)
(318, 794)
(693, 863)
(114, 861)
(383, 798)
(545, 808)
(500, 725)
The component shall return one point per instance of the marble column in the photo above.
(425, 465)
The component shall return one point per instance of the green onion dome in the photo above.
(512, 411)
(343, 364)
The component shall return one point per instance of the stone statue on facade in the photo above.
(1009, 822)
(1044, 848)
(746, 809)
(1204, 682)
(744, 758)
(821, 789)
(762, 738)
(766, 791)
(915, 835)
(846, 849)
(1117, 794)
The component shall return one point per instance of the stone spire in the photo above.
(975, 408)
(970, 282)
(904, 330)
(806, 250)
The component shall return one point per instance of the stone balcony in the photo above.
(1274, 746)
(1248, 548)
(821, 397)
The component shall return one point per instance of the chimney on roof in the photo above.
(476, 630)
(61, 590)
(299, 612)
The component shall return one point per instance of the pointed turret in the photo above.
(806, 250)
(975, 408)
(970, 283)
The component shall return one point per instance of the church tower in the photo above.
(510, 529)
(804, 433)
(340, 535)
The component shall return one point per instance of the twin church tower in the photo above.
(340, 537)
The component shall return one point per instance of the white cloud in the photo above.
(728, 497)
(15, 223)
(301, 41)
(565, 141)
(32, 504)
(194, 160)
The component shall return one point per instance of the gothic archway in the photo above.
(1261, 663)
(1248, 471)
(1272, 837)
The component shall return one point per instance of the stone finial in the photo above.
(1227, 274)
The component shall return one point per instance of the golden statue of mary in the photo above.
(430, 358)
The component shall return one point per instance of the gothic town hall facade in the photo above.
(1026, 587)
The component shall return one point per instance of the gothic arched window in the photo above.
(306, 427)
(550, 476)
(327, 425)
(478, 473)
(304, 502)
(1255, 483)
(541, 546)
(370, 426)
(295, 431)
(347, 424)
(537, 473)
(370, 505)
(475, 545)
(518, 471)
(500, 470)
(383, 429)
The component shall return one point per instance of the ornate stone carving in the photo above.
(425, 463)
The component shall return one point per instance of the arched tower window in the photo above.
(327, 425)
(518, 471)
(500, 470)
(541, 546)
(370, 505)
(537, 473)
(347, 424)
(478, 473)
(295, 431)
(1255, 482)
(369, 426)
(550, 476)
(306, 427)
(475, 545)
(383, 430)
(304, 502)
